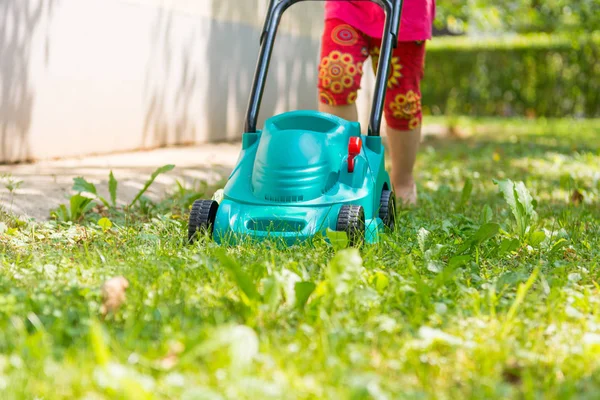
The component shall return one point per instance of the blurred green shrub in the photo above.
(524, 75)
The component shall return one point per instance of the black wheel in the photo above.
(351, 220)
(202, 218)
(387, 209)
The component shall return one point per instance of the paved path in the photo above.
(48, 184)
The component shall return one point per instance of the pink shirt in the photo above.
(368, 17)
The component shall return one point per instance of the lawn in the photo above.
(487, 290)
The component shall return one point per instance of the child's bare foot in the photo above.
(406, 195)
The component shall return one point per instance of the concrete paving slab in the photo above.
(47, 184)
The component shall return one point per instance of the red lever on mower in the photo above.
(354, 147)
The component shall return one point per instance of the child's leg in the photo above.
(403, 116)
(343, 53)
(403, 147)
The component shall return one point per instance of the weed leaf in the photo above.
(61, 213)
(344, 270)
(271, 292)
(525, 199)
(466, 192)
(161, 170)
(508, 245)
(99, 344)
(521, 293)
(339, 240)
(381, 282)
(303, 291)
(520, 202)
(560, 243)
(537, 238)
(422, 236)
(112, 188)
(486, 232)
(80, 205)
(510, 279)
(80, 185)
(243, 281)
(458, 261)
(487, 214)
(105, 224)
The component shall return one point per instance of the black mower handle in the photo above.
(393, 10)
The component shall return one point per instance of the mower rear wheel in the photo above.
(351, 220)
(202, 218)
(387, 209)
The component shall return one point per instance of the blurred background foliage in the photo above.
(528, 58)
(518, 16)
(533, 75)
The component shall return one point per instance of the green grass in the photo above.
(460, 302)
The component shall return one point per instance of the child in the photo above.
(352, 33)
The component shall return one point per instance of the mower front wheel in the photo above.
(387, 209)
(351, 220)
(202, 218)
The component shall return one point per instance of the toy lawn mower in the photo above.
(305, 172)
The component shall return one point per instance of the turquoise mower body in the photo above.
(306, 172)
(293, 178)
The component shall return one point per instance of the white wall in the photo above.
(84, 77)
